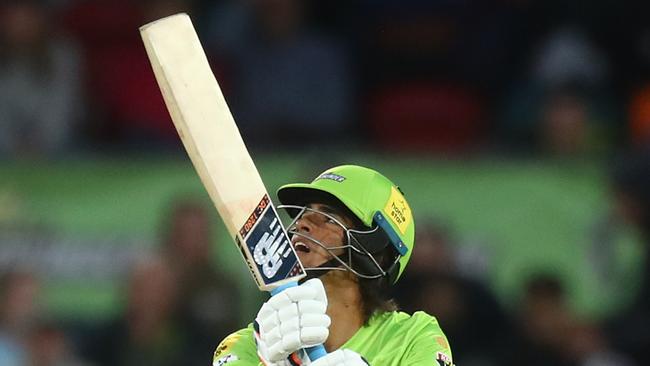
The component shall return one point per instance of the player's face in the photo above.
(322, 228)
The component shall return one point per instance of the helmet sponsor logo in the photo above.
(332, 176)
(398, 210)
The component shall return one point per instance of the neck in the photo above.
(344, 308)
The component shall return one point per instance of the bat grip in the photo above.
(314, 352)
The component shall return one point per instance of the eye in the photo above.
(333, 221)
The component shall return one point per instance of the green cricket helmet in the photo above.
(375, 202)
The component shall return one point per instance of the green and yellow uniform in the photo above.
(389, 339)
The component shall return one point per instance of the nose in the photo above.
(303, 225)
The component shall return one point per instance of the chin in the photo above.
(304, 259)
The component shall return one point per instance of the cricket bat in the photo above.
(213, 142)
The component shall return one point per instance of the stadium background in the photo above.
(503, 122)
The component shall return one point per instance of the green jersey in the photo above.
(390, 339)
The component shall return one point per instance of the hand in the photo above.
(293, 319)
(341, 357)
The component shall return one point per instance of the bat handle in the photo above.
(314, 352)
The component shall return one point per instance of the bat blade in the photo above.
(217, 151)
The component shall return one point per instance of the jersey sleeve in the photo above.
(430, 345)
(238, 349)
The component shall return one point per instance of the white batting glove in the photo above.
(341, 357)
(291, 320)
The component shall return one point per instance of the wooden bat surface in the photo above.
(215, 146)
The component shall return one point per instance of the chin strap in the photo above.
(335, 263)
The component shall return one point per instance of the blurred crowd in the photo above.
(523, 77)
(176, 306)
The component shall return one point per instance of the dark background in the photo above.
(518, 129)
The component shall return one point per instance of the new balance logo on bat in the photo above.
(271, 248)
(268, 245)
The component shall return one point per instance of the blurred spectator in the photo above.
(563, 106)
(568, 56)
(26, 339)
(19, 307)
(209, 296)
(639, 117)
(630, 331)
(291, 83)
(466, 42)
(426, 117)
(18, 313)
(48, 346)
(147, 333)
(548, 333)
(40, 94)
(565, 124)
(543, 324)
(128, 108)
(473, 320)
(420, 75)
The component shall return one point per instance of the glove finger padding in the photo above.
(311, 336)
(293, 319)
(265, 311)
(295, 294)
(312, 306)
(319, 289)
(315, 320)
(289, 343)
(288, 312)
(262, 352)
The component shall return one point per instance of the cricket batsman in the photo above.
(353, 231)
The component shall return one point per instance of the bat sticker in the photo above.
(269, 244)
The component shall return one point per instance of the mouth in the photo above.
(300, 246)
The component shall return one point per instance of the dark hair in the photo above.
(376, 293)
(39, 59)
